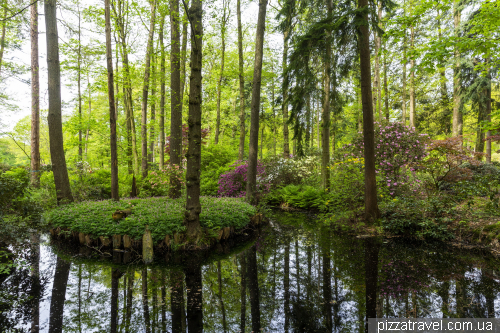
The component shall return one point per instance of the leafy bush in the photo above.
(299, 196)
(91, 184)
(15, 196)
(286, 171)
(215, 160)
(164, 216)
(396, 147)
(157, 183)
(233, 183)
(347, 187)
(419, 218)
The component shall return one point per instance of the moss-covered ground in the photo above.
(164, 216)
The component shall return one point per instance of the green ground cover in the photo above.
(163, 215)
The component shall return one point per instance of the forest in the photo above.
(185, 124)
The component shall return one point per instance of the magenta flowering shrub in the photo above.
(397, 148)
(233, 183)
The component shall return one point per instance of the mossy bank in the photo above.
(163, 216)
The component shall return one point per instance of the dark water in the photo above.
(293, 276)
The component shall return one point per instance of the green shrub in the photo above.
(215, 160)
(299, 196)
(292, 171)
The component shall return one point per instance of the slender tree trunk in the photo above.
(152, 138)
(308, 121)
(2, 38)
(35, 98)
(184, 53)
(379, 51)
(412, 74)
(162, 94)
(112, 112)
(371, 207)
(442, 79)
(145, 91)
(79, 79)
(457, 114)
(403, 93)
(221, 74)
(58, 289)
(193, 156)
(386, 91)
(255, 106)
(488, 118)
(175, 99)
(325, 126)
(90, 113)
(241, 150)
(286, 144)
(61, 179)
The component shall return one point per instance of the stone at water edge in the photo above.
(147, 246)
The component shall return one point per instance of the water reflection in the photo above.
(296, 277)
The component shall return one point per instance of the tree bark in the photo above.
(79, 79)
(412, 74)
(145, 91)
(35, 98)
(325, 126)
(184, 53)
(152, 138)
(457, 114)
(386, 91)
(371, 207)
(241, 150)
(175, 99)
(255, 106)
(162, 94)
(488, 117)
(112, 111)
(2, 38)
(221, 74)
(193, 156)
(61, 179)
(286, 35)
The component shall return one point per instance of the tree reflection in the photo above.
(58, 295)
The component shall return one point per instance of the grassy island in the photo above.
(164, 216)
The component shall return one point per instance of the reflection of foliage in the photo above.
(398, 278)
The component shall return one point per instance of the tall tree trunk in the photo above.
(488, 117)
(79, 79)
(162, 94)
(193, 156)
(2, 38)
(61, 179)
(58, 289)
(308, 121)
(221, 74)
(241, 150)
(386, 91)
(255, 106)
(286, 35)
(457, 114)
(253, 288)
(152, 138)
(371, 207)
(184, 52)
(35, 98)
(378, 42)
(412, 74)
(325, 126)
(145, 91)
(175, 99)
(442, 81)
(403, 93)
(90, 113)
(112, 112)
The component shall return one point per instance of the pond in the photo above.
(295, 275)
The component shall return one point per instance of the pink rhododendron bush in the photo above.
(398, 149)
(233, 183)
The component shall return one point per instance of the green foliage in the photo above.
(419, 218)
(164, 216)
(157, 183)
(215, 160)
(299, 196)
(292, 171)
